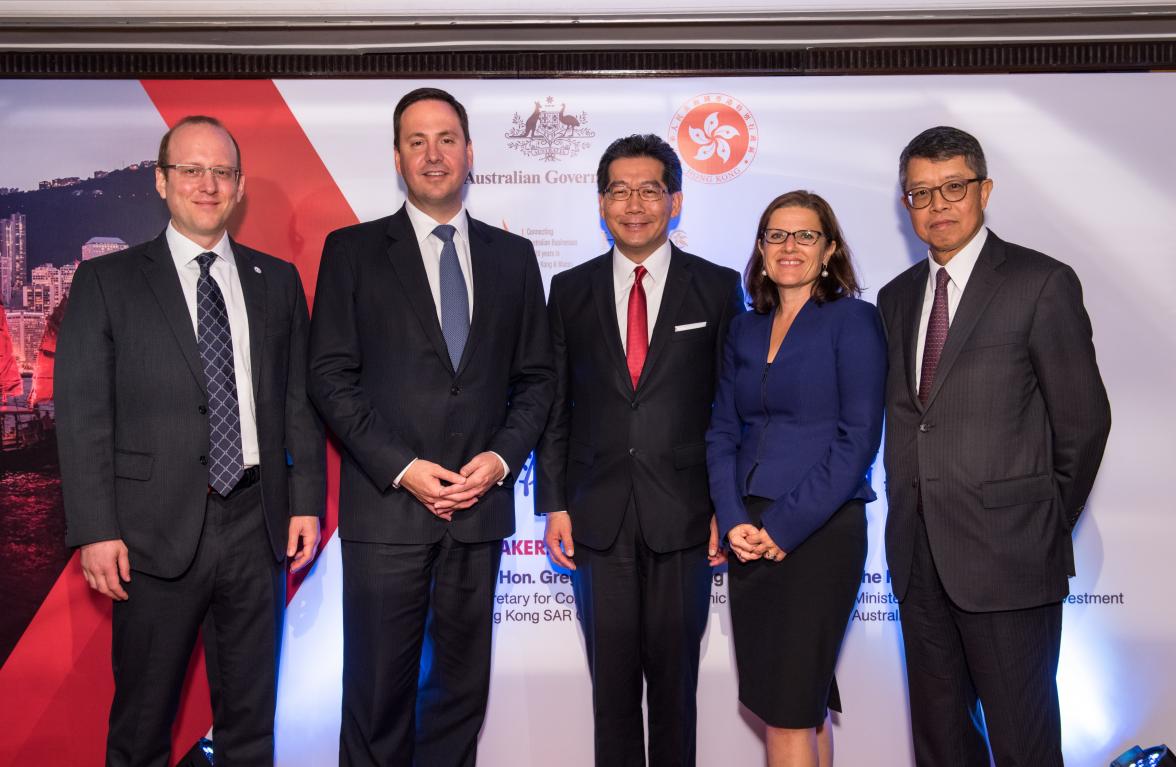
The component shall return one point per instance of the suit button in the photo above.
(634, 404)
(455, 390)
(203, 460)
(633, 452)
(925, 427)
(201, 410)
(914, 483)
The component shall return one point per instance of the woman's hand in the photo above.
(764, 543)
(740, 538)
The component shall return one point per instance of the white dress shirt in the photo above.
(430, 244)
(658, 267)
(423, 225)
(959, 269)
(224, 272)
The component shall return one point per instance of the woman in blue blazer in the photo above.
(795, 428)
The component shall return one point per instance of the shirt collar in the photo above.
(657, 265)
(959, 268)
(184, 251)
(423, 224)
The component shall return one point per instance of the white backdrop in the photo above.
(1083, 170)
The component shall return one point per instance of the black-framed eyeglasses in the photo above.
(196, 172)
(802, 236)
(952, 191)
(647, 192)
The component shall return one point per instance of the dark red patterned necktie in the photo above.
(936, 335)
(637, 340)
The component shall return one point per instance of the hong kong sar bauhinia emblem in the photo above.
(550, 132)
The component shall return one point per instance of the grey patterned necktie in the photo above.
(455, 301)
(226, 462)
(936, 335)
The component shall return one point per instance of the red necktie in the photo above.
(936, 335)
(637, 340)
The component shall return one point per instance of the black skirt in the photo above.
(788, 619)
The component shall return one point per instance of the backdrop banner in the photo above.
(1082, 168)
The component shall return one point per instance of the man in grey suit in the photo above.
(192, 462)
(996, 420)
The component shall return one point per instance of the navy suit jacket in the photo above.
(380, 375)
(805, 430)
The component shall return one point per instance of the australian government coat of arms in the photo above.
(550, 131)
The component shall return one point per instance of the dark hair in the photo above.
(429, 94)
(193, 120)
(841, 282)
(638, 145)
(943, 143)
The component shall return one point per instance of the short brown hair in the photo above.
(841, 281)
(194, 120)
(428, 94)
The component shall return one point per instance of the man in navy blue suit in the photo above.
(430, 360)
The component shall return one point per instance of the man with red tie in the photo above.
(637, 334)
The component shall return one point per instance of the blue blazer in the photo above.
(803, 431)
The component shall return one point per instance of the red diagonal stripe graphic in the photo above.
(61, 666)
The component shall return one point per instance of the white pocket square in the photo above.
(689, 326)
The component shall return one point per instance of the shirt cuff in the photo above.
(505, 468)
(400, 476)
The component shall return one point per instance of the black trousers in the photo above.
(236, 591)
(1007, 661)
(643, 614)
(416, 651)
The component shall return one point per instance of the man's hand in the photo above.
(556, 533)
(764, 543)
(303, 541)
(715, 555)
(423, 479)
(104, 563)
(483, 470)
(742, 543)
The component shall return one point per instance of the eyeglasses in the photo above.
(952, 191)
(647, 192)
(196, 172)
(780, 236)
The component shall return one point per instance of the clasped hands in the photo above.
(443, 491)
(750, 542)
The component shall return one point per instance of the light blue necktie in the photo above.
(455, 301)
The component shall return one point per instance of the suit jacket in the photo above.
(380, 375)
(1005, 451)
(132, 423)
(803, 432)
(606, 443)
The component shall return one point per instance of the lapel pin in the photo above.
(257, 269)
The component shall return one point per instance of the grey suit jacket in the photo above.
(132, 423)
(1005, 451)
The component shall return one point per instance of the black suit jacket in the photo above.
(605, 443)
(1006, 449)
(132, 423)
(381, 376)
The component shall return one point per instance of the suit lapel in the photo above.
(982, 286)
(160, 273)
(253, 286)
(604, 296)
(405, 255)
(485, 281)
(912, 309)
(677, 283)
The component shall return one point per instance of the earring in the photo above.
(824, 270)
(763, 272)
